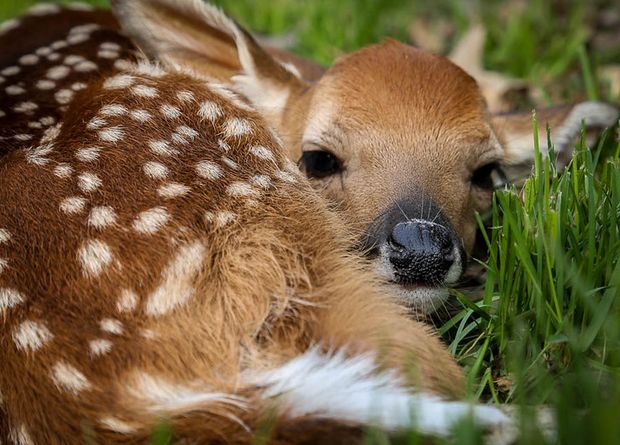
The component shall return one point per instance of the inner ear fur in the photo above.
(515, 132)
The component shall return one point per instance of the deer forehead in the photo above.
(393, 92)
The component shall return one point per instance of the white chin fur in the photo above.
(422, 299)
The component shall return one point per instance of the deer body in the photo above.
(156, 262)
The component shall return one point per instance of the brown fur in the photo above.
(264, 288)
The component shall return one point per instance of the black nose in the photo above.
(421, 252)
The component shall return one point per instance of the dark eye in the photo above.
(319, 163)
(488, 177)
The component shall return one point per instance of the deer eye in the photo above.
(319, 163)
(488, 177)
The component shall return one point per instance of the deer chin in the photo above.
(421, 299)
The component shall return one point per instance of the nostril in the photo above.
(421, 251)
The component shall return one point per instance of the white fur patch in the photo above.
(10, 298)
(86, 66)
(63, 170)
(3, 264)
(64, 96)
(31, 335)
(235, 127)
(96, 122)
(10, 71)
(127, 302)
(162, 147)
(262, 152)
(117, 425)
(94, 256)
(144, 91)
(101, 217)
(89, 154)
(44, 9)
(29, 59)
(25, 107)
(172, 190)
(177, 286)
(88, 182)
(210, 110)
(140, 115)
(170, 111)
(240, 189)
(185, 96)
(150, 221)
(20, 436)
(230, 163)
(72, 204)
(73, 59)
(5, 236)
(99, 347)
(155, 170)
(69, 379)
(112, 134)
(119, 81)
(14, 90)
(261, 181)
(164, 396)
(208, 170)
(353, 389)
(111, 326)
(224, 218)
(45, 84)
(113, 110)
(58, 72)
(9, 25)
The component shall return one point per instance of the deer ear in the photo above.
(514, 131)
(191, 34)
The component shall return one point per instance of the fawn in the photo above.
(397, 140)
(161, 257)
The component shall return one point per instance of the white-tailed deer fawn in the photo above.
(161, 257)
(396, 139)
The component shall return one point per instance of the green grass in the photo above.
(547, 331)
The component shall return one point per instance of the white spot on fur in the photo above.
(112, 134)
(155, 170)
(64, 96)
(183, 134)
(10, 71)
(35, 124)
(353, 389)
(63, 170)
(58, 72)
(44, 51)
(161, 147)
(108, 54)
(9, 25)
(68, 378)
(45, 84)
(210, 110)
(20, 436)
(140, 115)
(208, 170)
(89, 154)
(170, 111)
(88, 182)
(111, 326)
(286, 177)
(86, 66)
(77, 38)
(25, 107)
(149, 69)
(96, 122)
(94, 256)
(22, 137)
(119, 81)
(127, 302)
(113, 110)
(53, 57)
(110, 46)
(3, 264)
(10, 298)
(31, 335)
(240, 189)
(78, 86)
(230, 163)
(224, 217)
(58, 44)
(235, 127)
(73, 204)
(185, 96)
(14, 90)
(5, 236)
(222, 145)
(99, 347)
(119, 426)
(101, 217)
(172, 190)
(150, 221)
(144, 91)
(44, 9)
(82, 7)
(73, 59)
(29, 59)
(47, 120)
(178, 280)
(261, 181)
(123, 64)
